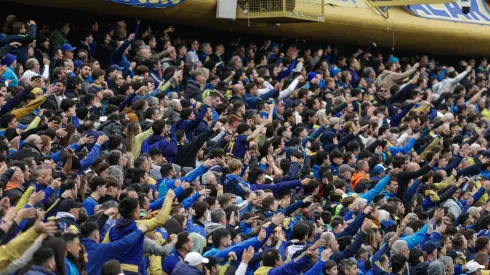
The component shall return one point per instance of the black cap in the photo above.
(68, 204)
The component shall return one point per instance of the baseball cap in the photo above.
(117, 67)
(68, 204)
(378, 169)
(195, 259)
(94, 90)
(334, 71)
(67, 47)
(430, 246)
(332, 121)
(344, 168)
(473, 266)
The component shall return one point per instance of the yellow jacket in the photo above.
(138, 141)
(25, 198)
(16, 247)
(29, 107)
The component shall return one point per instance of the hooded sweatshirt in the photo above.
(169, 148)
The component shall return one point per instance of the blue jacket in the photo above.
(39, 270)
(184, 269)
(188, 126)
(71, 268)
(404, 149)
(9, 74)
(351, 250)
(276, 187)
(123, 228)
(417, 237)
(251, 102)
(222, 255)
(380, 186)
(119, 58)
(235, 185)
(24, 39)
(295, 266)
(376, 263)
(169, 148)
(164, 184)
(170, 261)
(89, 159)
(98, 254)
(89, 204)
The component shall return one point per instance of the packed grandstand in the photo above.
(130, 149)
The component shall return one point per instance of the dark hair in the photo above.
(112, 267)
(301, 231)
(42, 256)
(182, 239)
(218, 235)
(270, 257)
(397, 262)
(158, 126)
(96, 182)
(127, 207)
(88, 229)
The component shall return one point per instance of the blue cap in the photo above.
(94, 90)
(334, 71)
(273, 45)
(430, 246)
(393, 59)
(77, 63)
(67, 47)
(311, 75)
(9, 59)
(117, 67)
(378, 169)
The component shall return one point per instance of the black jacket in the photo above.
(186, 154)
(27, 151)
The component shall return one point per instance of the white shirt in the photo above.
(29, 73)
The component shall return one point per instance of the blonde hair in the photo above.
(322, 117)
(235, 165)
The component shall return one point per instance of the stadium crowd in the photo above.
(125, 150)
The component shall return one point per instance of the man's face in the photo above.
(13, 123)
(86, 71)
(68, 54)
(393, 187)
(74, 248)
(45, 177)
(60, 88)
(90, 39)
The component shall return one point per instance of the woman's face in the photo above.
(21, 69)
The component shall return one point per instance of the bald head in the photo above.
(412, 166)
(238, 89)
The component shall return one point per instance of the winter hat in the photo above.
(8, 59)
(77, 64)
(311, 75)
(393, 59)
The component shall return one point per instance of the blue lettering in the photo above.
(455, 11)
(437, 12)
(477, 14)
(420, 10)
